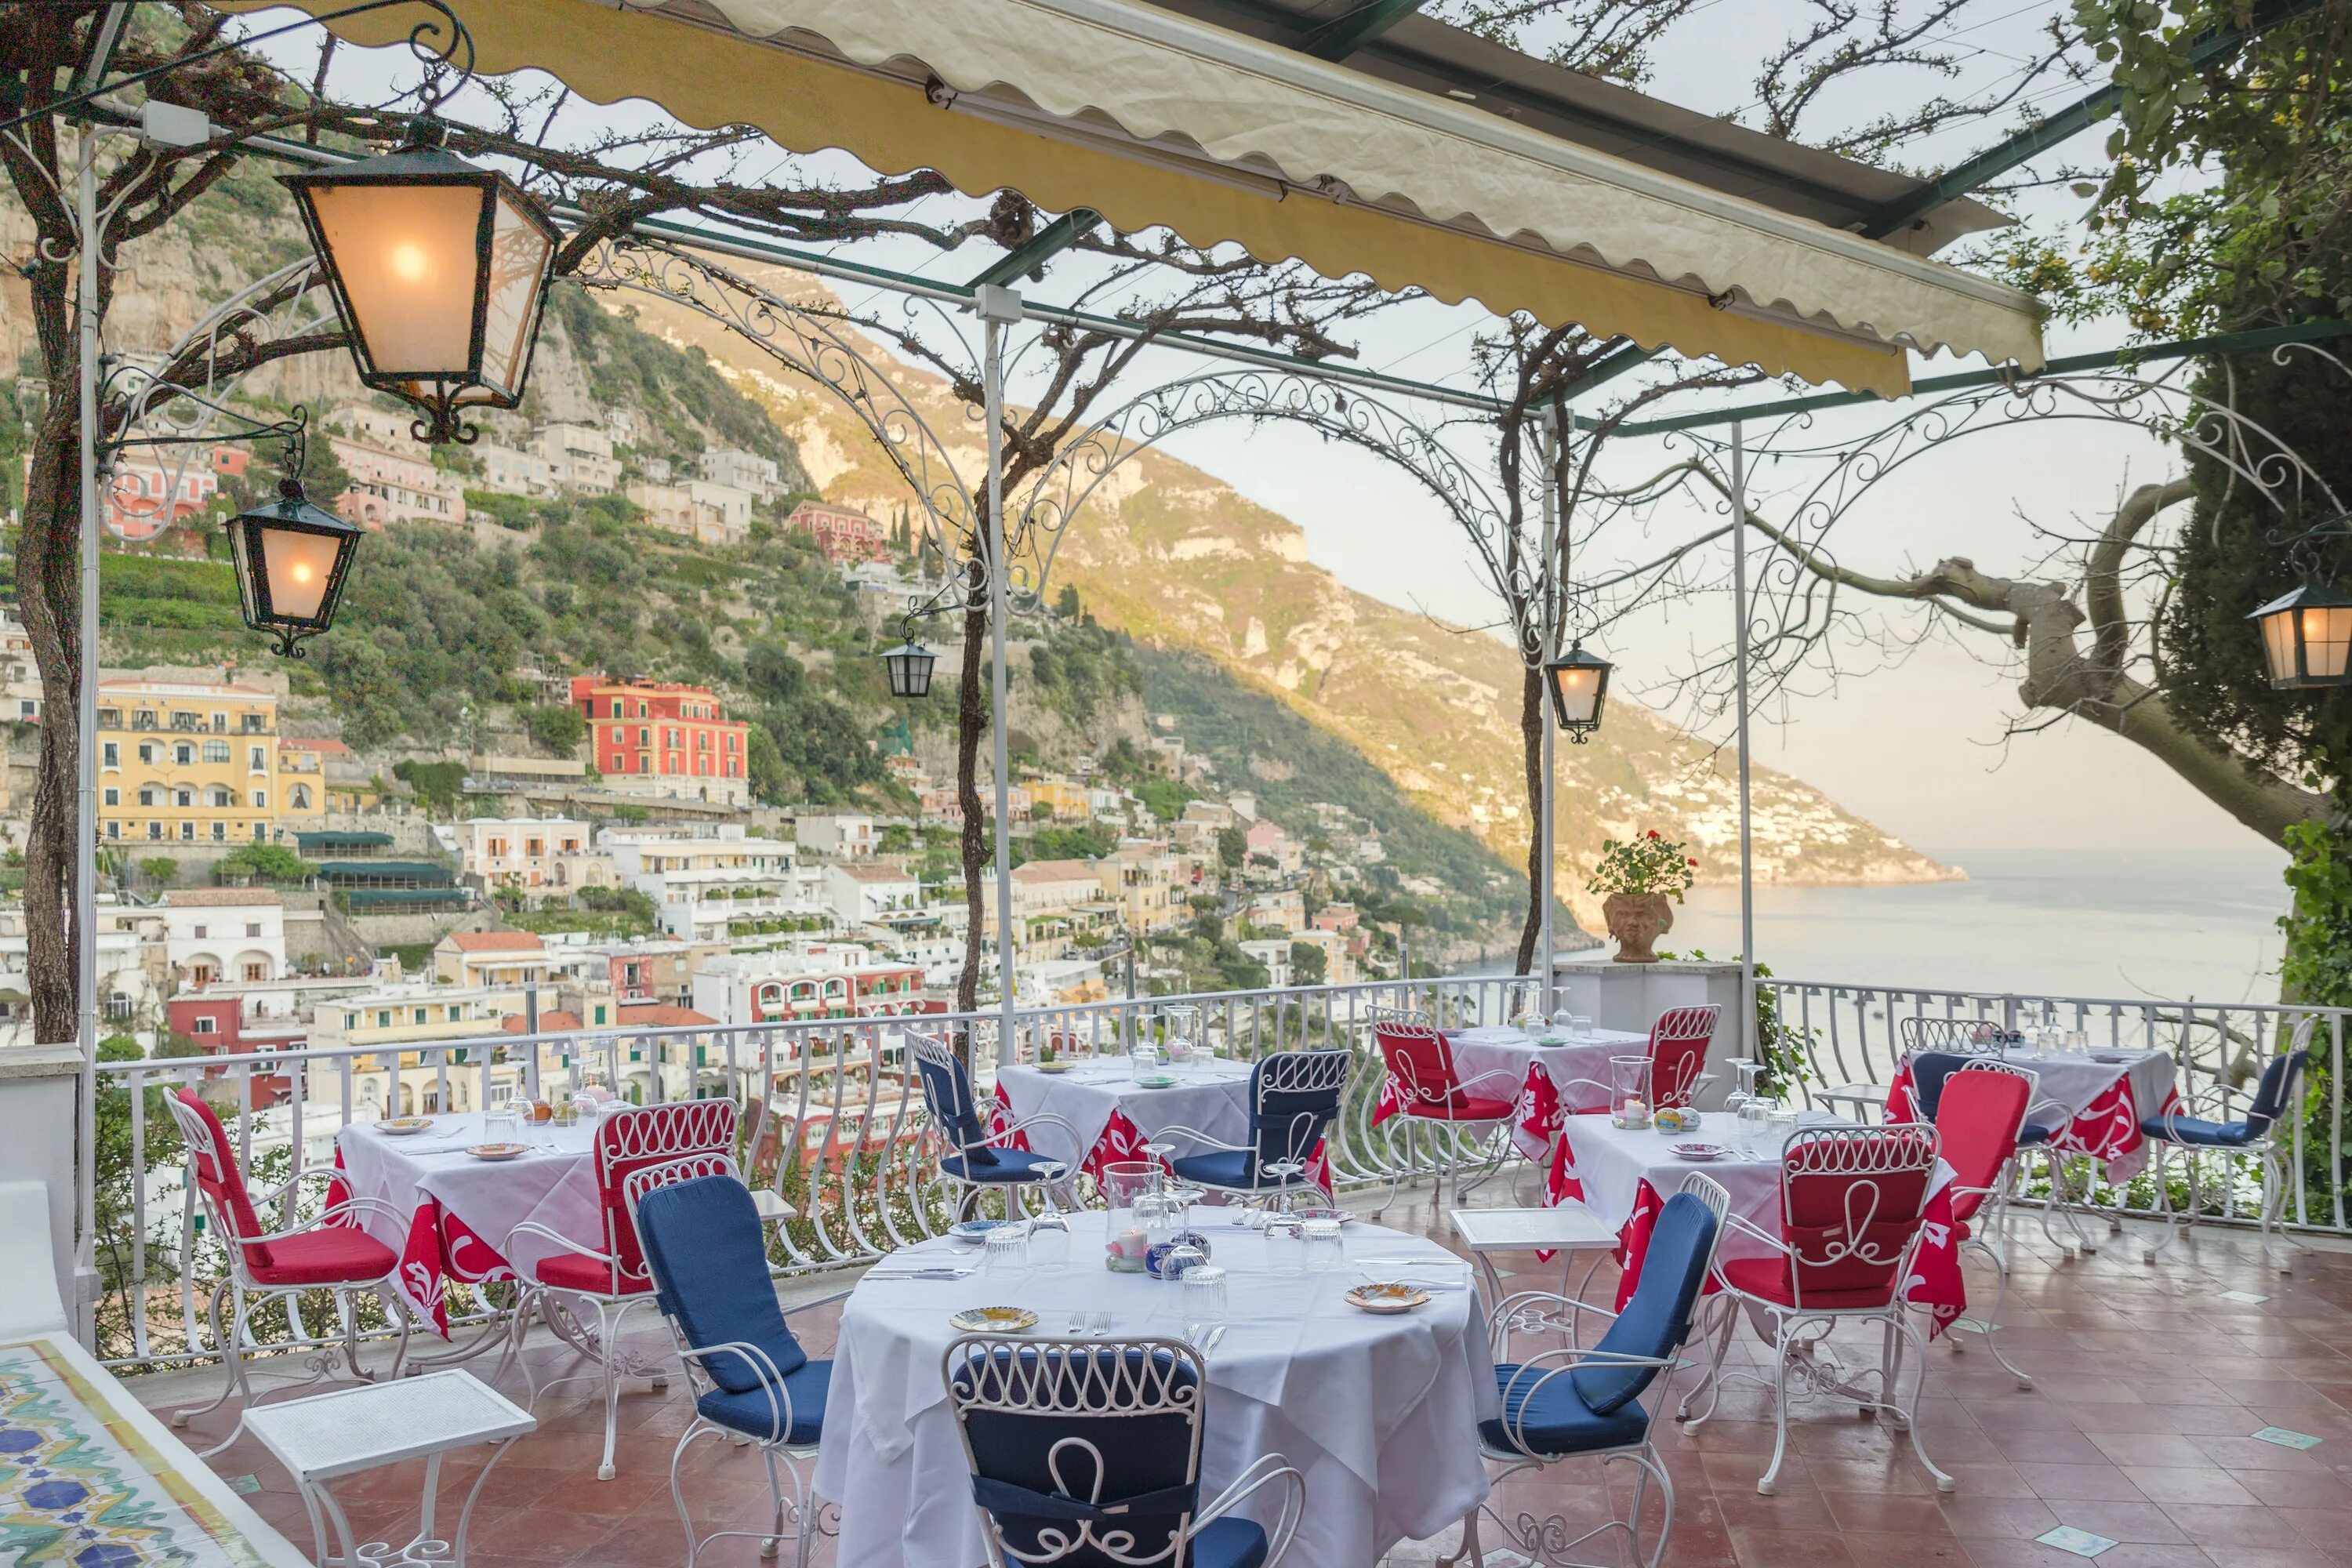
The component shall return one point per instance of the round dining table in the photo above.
(2097, 1099)
(1379, 1413)
(456, 1211)
(1114, 1115)
(1552, 1074)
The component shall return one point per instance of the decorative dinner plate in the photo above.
(1699, 1151)
(1386, 1299)
(2112, 1058)
(1055, 1066)
(1158, 1081)
(498, 1151)
(401, 1126)
(973, 1229)
(994, 1319)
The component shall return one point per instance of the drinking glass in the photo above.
(499, 1126)
(1123, 1182)
(2078, 1041)
(1755, 1120)
(1629, 1090)
(1004, 1255)
(1143, 1059)
(1322, 1250)
(1204, 1293)
(1522, 1007)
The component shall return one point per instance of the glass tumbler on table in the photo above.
(1004, 1255)
(1322, 1249)
(1204, 1293)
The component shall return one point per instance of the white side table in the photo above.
(1568, 1228)
(330, 1435)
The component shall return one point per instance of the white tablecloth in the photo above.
(1379, 1413)
(1493, 1063)
(1213, 1096)
(555, 1186)
(2075, 1081)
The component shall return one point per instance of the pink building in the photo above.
(391, 487)
(844, 535)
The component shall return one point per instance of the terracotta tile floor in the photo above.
(2148, 1388)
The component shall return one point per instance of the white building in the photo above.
(857, 891)
(745, 471)
(553, 853)
(1274, 953)
(213, 935)
(703, 882)
(514, 471)
(733, 501)
(805, 980)
(844, 835)
(580, 455)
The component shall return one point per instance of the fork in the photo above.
(1102, 1325)
(1077, 1324)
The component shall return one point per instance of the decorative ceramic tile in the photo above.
(2286, 1439)
(2081, 1542)
(80, 1486)
(2242, 1298)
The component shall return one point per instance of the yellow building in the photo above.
(186, 763)
(1064, 799)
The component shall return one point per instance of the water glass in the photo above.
(1006, 1254)
(1755, 1120)
(1204, 1293)
(499, 1126)
(1322, 1250)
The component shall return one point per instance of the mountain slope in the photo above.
(1180, 559)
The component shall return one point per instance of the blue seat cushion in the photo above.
(2033, 1132)
(1229, 1543)
(708, 1255)
(748, 1411)
(1228, 1168)
(995, 1165)
(1657, 1320)
(1552, 1417)
(2196, 1131)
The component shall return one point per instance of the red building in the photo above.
(217, 1022)
(844, 535)
(659, 738)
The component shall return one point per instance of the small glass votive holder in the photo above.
(1322, 1250)
(1004, 1255)
(1204, 1293)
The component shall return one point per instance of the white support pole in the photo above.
(1739, 664)
(1552, 598)
(998, 307)
(85, 904)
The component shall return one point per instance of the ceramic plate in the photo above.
(973, 1229)
(1157, 1080)
(1055, 1067)
(994, 1319)
(1386, 1299)
(1699, 1151)
(401, 1126)
(498, 1151)
(2112, 1058)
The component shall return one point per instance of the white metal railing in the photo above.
(857, 1163)
(1846, 1034)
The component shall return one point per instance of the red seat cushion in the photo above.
(332, 1255)
(1463, 1108)
(1768, 1278)
(570, 1271)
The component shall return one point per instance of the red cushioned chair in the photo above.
(1678, 1043)
(328, 1253)
(1429, 1087)
(615, 1280)
(1979, 1115)
(1852, 1204)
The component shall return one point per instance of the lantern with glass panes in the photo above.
(2308, 637)
(293, 560)
(1580, 685)
(439, 268)
(909, 665)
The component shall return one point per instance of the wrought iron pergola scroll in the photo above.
(1793, 605)
(1063, 486)
(827, 355)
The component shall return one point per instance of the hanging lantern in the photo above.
(1580, 683)
(2308, 637)
(439, 268)
(292, 562)
(909, 665)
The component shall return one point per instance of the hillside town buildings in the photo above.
(661, 738)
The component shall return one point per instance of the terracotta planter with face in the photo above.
(1637, 921)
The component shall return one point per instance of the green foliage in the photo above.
(1164, 798)
(2317, 966)
(440, 786)
(679, 391)
(631, 814)
(160, 870)
(555, 727)
(1309, 964)
(112, 1165)
(1079, 843)
(1647, 863)
(271, 863)
(1084, 672)
(1233, 848)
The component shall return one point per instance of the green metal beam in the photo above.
(1343, 36)
(1046, 243)
(2190, 348)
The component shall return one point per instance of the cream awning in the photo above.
(1152, 118)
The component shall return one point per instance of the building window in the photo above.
(114, 830)
(220, 722)
(256, 724)
(220, 832)
(184, 797)
(187, 833)
(257, 972)
(184, 754)
(261, 800)
(111, 755)
(256, 761)
(154, 830)
(383, 1019)
(113, 796)
(199, 932)
(146, 752)
(205, 1026)
(223, 797)
(252, 928)
(218, 752)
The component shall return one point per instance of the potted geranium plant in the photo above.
(1641, 879)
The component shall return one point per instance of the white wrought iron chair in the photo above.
(1978, 1118)
(2252, 1134)
(1582, 1402)
(1029, 1407)
(1294, 1099)
(1852, 1210)
(1430, 1092)
(613, 1281)
(328, 1253)
(976, 1160)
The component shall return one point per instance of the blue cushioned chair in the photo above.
(1294, 1097)
(1586, 1402)
(707, 1251)
(1087, 1454)
(2255, 1133)
(974, 1161)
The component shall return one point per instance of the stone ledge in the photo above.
(40, 1061)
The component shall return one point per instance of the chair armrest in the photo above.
(1511, 1313)
(309, 1172)
(1264, 1471)
(1754, 1232)
(771, 1381)
(1569, 1360)
(1513, 1081)
(533, 1228)
(1198, 1136)
(1012, 1129)
(354, 1205)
